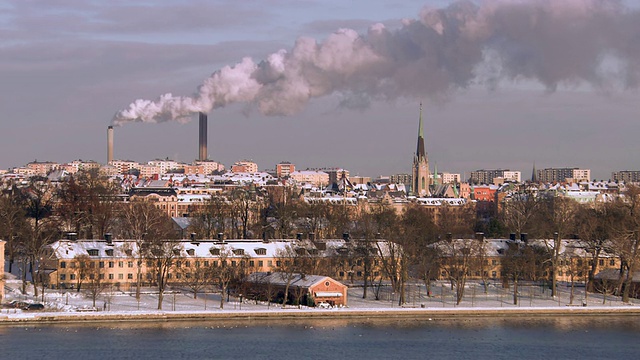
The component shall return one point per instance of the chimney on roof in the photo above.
(448, 237)
(345, 237)
(202, 148)
(72, 236)
(220, 236)
(524, 237)
(480, 236)
(299, 236)
(108, 238)
(109, 144)
(512, 236)
(312, 236)
(193, 236)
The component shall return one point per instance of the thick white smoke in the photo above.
(550, 41)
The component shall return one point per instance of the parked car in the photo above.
(33, 306)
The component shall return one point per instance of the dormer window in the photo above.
(214, 251)
(260, 251)
(238, 251)
(191, 252)
(93, 252)
(109, 252)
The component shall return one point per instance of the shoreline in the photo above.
(48, 318)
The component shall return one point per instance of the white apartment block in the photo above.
(165, 165)
(447, 178)
(209, 166)
(316, 178)
(515, 176)
(244, 166)
(124, 166)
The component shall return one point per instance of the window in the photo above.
(120, 264)
(101, 276)
(233, 263)
(191, 252)
(109, 252)
(130, 276)
(101, 264)
(612, 262)
(92, 276)
(494, 274)
(238, 251)
(63, 277)
(178, 263)
(206, 263)
(187, 264)
(92, 252)
(112, 264)
(494, 262)
(214, 251)
(260, 251)
(601, 262)
(110, 276)
(252, 263)
(130, 264)
(63, 265)
(120, 276)
(269, 263)
(260, 263)
(72, 276)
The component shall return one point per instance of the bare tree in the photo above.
(224, 272)
(559, 215)
(142, 222)
(288, 265)
(211, 219)
(161, 252)
(196, 274)
(627, 238)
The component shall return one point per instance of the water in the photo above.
(514, 338)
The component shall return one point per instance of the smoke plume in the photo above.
(568, 42)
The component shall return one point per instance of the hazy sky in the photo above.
(504, 83)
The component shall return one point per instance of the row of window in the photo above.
(101, 264)
(63, 277)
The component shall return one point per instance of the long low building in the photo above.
(117, 262)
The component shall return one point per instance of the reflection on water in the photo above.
(486, 338)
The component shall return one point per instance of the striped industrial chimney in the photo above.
(109, 144)
(202, 153)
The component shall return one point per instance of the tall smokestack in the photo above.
(202, 154)
(109, 144)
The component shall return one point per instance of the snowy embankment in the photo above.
(180, 305)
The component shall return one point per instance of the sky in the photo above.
(326, 83)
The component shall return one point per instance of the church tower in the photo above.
(420, 170)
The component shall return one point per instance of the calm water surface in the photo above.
(564, 338)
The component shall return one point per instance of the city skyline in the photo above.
(67, 77)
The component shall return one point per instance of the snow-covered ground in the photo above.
(181, 300)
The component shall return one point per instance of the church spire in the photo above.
(420, 153)
(420, 169)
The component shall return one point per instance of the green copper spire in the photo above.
(435, 175)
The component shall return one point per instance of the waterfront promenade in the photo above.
(179, 304)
